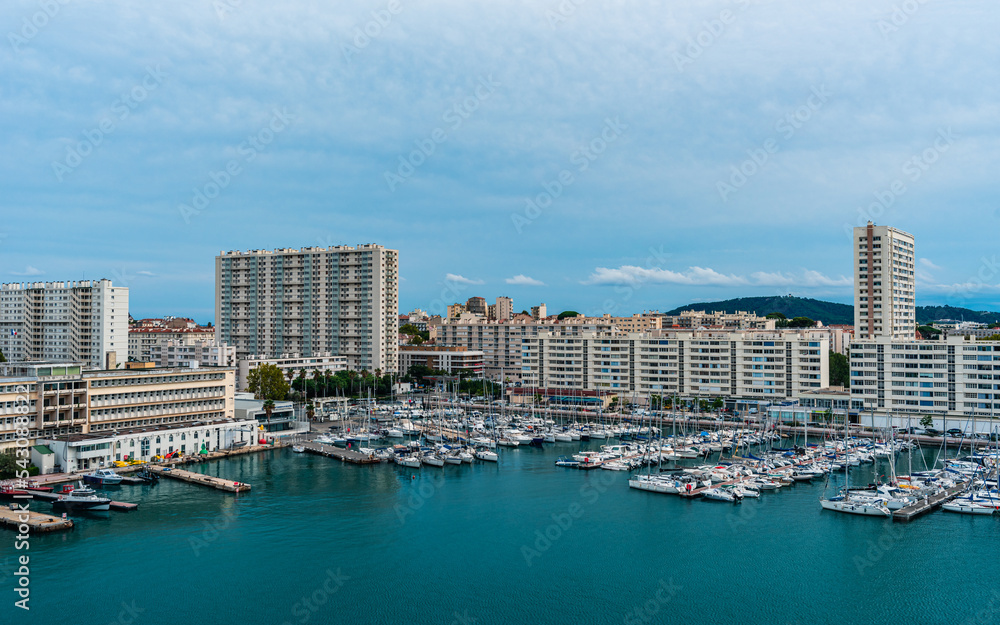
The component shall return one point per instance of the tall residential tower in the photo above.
(83, 322)
(339, 301)
(884, 283)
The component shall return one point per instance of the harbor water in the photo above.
(521, 541)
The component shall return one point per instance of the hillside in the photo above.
(829, 312)
(790, 306)
(926, 314)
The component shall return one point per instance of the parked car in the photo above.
(933, 432)
(955, 432)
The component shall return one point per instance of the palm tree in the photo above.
(310, 411)
(268, 409)
(317, 376)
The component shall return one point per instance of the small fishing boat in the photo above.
(298, 449)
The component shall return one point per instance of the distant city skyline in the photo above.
(615, 159)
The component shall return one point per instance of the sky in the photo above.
(600, 156)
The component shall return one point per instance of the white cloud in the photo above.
(459, 279)
(703, 276)
(146, 273)
(523, 280)
(28, 271)
(926, 262)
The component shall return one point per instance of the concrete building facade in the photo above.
(884, 283)
(84, 321)
(338, 300)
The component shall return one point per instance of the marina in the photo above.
(634, 538)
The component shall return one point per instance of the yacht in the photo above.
(82, 498)
(486, 455)
(857, 504)
(102, 477)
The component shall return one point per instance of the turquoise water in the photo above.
(519, 542)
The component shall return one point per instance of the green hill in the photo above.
(926, 314)
(829, 312)
(790, 306)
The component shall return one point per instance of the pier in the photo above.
(37, 522)
(121, 506)
(217, 483)
(924, 506)
(344, 455)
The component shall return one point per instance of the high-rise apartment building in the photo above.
(884, 283)
(84, 322)
(504, 309)
(339, 300)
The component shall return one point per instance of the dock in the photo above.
(37, 522)
(121, 506)
(344, 455)
(912, 511)
(217, 483)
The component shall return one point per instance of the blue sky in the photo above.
(599, 156)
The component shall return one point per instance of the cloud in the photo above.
(702, 276)
(632, 275)
(926, 262)
(458, 279)
(146, 273)
(28, 271)
(523, 280)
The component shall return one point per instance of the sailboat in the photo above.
(851, 503)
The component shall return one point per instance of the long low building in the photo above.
(955, 378)
(81, 451)
(290, 364)
(441, 358)
(60, 399)
(764, 366)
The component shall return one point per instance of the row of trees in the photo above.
(268, 382)
(781, 321)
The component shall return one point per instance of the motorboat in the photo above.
(102, 477)
(719, 494)
(298, 449)
(81, 498)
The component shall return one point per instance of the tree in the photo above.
(310, 411)
(268, 409)
(801, 322)
(718, 403)
(926, 422)
(2, 357)
(317, 377)
(775, 315)
(840, 371)
(992, 337)
(568, 313)
(267, 382)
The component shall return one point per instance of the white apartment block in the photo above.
(290, 364)
(142, 340)
(192, 353)
(955, 377)
(757, 365)
(339, 300)
(64, 399)
(500, 342)
(884, 283)
(84, 321)
(440, 358)
(700, 319)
